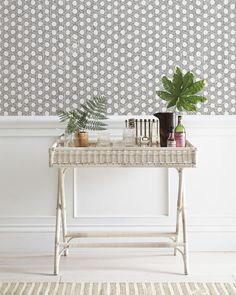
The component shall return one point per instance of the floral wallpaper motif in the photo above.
(58, 53)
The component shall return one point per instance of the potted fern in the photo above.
(90, 116)
(180, 94)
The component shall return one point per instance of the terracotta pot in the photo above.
(76, 139)
(83, 139)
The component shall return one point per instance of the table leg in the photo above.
(63, 209)
(58, 224)
(181, 214)
(185, 256)
(179, 205)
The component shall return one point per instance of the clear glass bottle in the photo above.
(171, 139)
(104, 139)
(180, 134)
(129, 136)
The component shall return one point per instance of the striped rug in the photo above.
(118, 288)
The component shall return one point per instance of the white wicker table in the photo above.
(72, 157)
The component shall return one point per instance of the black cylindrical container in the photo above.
(167, 122)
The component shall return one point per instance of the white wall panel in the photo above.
(121, 192)
(211, 187)
(27, 185)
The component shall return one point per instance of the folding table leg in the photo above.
(181, 214)
(63, 209)
(179, 205)
(58, 224)
(185, 256)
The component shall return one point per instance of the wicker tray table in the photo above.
(72, 157)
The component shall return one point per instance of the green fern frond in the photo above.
(96, 125)
(95, 108)
(88, 117)
(63, 115)
(71, 126)
(68, 116)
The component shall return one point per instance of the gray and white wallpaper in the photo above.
(58, 53)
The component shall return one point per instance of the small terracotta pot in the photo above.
(83, 139)
(76, 139)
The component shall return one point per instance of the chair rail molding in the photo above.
(28, 186)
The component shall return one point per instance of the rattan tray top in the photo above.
(122, 156)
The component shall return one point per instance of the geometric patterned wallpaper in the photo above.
(58, 53)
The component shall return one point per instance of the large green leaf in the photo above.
(187, 80)
(168, 85)
(195, 88)
(181, 90)
(188, 106)
(194, 99)
(164, 95)
(177, 80)
(179, 106)
(172, 103)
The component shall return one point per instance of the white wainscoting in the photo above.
(115, 197)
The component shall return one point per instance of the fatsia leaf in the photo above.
(192, 108)
(179, 106)
(181, 90)
(188, 106)
(172, 103)
(187, 80)
(194, 88)
(164, 95)
(177, 80)
(195, 99)
(168, 85)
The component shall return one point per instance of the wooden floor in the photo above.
(109, 265)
